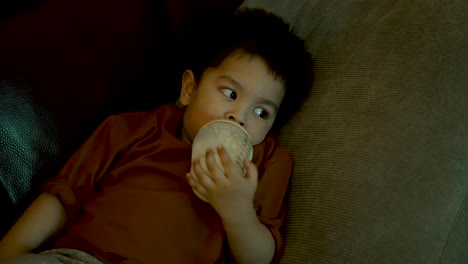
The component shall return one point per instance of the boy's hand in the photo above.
(231, 193)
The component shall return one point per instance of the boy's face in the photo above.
(240, 89)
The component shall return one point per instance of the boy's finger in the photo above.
(228, 164)
(196, 185)
(251, 170)
(201, 175)
(213, 168)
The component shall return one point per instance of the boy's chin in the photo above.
(184, 137)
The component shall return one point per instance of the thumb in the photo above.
(251, 170)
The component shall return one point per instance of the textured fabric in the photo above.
(22, 129)
(28, 142)
(381, 145)
(30, 258)
(71, 256)
(54, 256)
(127, 199)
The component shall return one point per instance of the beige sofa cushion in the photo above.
(381, 144)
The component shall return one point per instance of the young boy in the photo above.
(126, 195)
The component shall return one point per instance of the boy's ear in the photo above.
(188, 86)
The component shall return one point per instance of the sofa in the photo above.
(380, 146)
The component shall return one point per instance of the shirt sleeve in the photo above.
(74, 185)
(270, 198)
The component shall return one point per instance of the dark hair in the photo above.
(259, 33)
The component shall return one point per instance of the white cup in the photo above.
(229, 134)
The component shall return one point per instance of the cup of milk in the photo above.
(233, 137)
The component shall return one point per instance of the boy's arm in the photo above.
(48, 213)
(61, 202)
(249, 240)
(43, 218)
(259, 230)
(253, 234)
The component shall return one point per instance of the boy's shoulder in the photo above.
(270, 151)
(158, 115)
(140, 122)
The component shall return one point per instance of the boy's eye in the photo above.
(229, 93)
(262, 113)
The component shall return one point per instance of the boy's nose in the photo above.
(236, 118)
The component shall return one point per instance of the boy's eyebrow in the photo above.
(263, 100)
(232, 81)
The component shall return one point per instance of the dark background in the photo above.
(66, 65)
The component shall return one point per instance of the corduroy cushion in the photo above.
(381, 144)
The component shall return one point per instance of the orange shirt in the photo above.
(128, 201)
